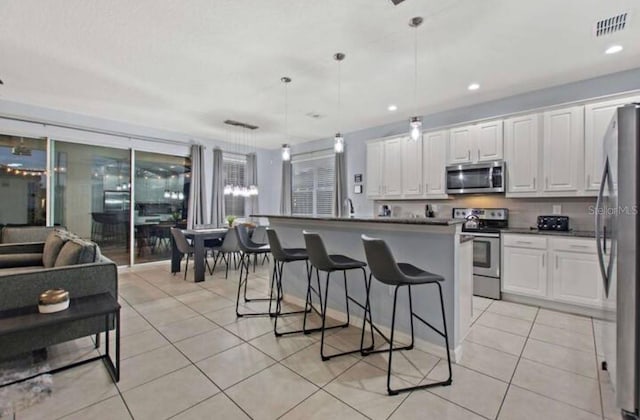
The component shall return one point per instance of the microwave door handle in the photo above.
(491, 177)
(598, 222)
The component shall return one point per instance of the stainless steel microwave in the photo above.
(473, 178)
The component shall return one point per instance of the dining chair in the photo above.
(185, 249)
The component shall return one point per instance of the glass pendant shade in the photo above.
(286, 152)
(415, 124)
(338, 143)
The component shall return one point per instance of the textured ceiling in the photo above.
(187, 65)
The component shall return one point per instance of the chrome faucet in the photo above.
(350, 203)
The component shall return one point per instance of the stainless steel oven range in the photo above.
(485, 225)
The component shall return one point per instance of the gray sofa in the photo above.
(62, 260)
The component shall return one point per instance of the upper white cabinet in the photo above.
(375, 163)
(412, 167)
(476, 143)
(434, 157)
(384, 168)
(489, 141)
(521, 150)
(597, 117)
(563, 147)
(392, 169)
(460, 144)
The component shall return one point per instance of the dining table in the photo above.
(197, 237)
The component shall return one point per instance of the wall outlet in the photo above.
(557, 209)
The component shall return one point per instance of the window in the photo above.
(23, 180)
(234, 174)
(312, 184)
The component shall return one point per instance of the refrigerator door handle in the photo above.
(599, 241)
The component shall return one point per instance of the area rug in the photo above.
(14, 398)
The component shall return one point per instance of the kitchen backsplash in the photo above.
(522, 211)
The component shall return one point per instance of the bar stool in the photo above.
(249, 248)
(384, 267)
(322, 261)
(282, 256)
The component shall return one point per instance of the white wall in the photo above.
(356, 141)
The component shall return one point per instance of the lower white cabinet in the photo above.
(575, 278)
(524, 271)
(558, 269)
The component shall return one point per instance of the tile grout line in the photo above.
(595, 350)
(192, 364)
(504, 398)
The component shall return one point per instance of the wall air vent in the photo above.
(241, 124)
(611, 25)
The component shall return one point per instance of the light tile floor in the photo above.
(186, 356)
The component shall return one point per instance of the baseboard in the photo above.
(557, 306)
(426, 346)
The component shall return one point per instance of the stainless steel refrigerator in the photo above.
(617, 226)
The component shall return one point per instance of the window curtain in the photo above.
(285, 198)
(217, 192)
(195, 214)
(340, 186)
(252, 179)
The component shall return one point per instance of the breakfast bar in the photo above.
(436, 245)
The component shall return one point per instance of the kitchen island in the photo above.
(436, 245)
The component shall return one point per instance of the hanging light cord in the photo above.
(415, 69)
(286, 111)
(339, 97)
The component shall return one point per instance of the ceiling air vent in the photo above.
(611, 25)
(241, 124)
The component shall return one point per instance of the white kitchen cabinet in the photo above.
(575, 278)
(375, 163)
(461, 142)
(476, 143)
(392, 168)
(489, 141)
(384, 168)
(434, 162)
(557, 269)
(524, 271)
(521, 150)
(563, 150)
(597, 117)
(412, 167)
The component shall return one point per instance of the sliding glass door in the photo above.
(161, 195)
(23, 180)
(92, 195)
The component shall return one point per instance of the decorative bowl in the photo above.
(53, 300)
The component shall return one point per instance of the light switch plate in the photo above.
(557, 209)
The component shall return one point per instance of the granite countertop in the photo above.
(404, 221)
(571, 233)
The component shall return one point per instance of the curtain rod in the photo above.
(97, 130)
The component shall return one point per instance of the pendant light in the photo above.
(286, 150)
(338, 140)
(415, 123)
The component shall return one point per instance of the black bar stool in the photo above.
(282, 256)
(383, 267)
(249, 248)
(322, 261)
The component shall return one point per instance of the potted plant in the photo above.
(230, 220)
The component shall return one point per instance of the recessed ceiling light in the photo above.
(392, 107)
(473, 86)
(14, 165)
(613, 49)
